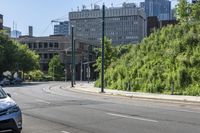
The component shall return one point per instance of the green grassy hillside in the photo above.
(171, 54)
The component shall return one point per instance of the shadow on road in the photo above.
(25, 84)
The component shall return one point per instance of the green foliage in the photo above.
(182, 11)
(170, 54)
(36, 75)
(187, 12)
(195, 11)
(111, 55)
(56, 68)
(27, 59)
(15, 56)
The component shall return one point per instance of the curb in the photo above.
(161, 97)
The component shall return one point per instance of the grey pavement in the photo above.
(54, 107)
(89, 87)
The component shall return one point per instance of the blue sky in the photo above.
(39, 13)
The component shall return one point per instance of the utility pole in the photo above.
(72, 58)
(74, 63)
(103, 40)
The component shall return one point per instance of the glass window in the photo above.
(51, 56)
(30, 45)
(51, 45)
(40, 45)
(55, 45)
(45, 56)
(45, 45)
(34, 45)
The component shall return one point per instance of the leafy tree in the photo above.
(27, 59)
(15, 56)
(109, 55)
(195, 11)
(36, 75)
(187, 12)
(182, 11)
(56, 68)
(8, 53)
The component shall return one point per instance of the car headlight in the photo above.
(13, 110)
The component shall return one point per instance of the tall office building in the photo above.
(123, 25)
(158, 8)
(30, 31)
(62, 28)
(1, 22)
(15, 34)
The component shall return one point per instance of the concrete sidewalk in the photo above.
(89, 87)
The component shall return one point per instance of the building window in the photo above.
(30, 45)
(45, 56)
(55, 45)
(51, 56)
(34, 45)
(40, 45)
(50, 45)
(45, 45)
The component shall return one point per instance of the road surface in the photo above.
(51, 108)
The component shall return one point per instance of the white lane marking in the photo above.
(64, 132)
(185, 111)
(131, 117)
(42, 101)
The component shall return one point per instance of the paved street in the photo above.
(51, 108)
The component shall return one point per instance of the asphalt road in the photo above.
(50, 108)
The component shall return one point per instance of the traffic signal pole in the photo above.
(103, 41)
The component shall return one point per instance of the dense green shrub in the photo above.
(171, 54)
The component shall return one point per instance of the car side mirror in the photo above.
(8, 94)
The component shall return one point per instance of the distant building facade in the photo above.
(123, 25)
(15, 34)
(46, 47)
(49, 46)
(1, 22)
(153, 23)
(30, 30)
(158, 8)
(62, 28)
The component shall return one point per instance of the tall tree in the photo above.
(195, 11)
(56, 68)
(27, 59)
(110, 55)
(15, 56)
(183, 11)
(8, 53)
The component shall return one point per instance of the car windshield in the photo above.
(2, 93)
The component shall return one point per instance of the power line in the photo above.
(42, 33)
